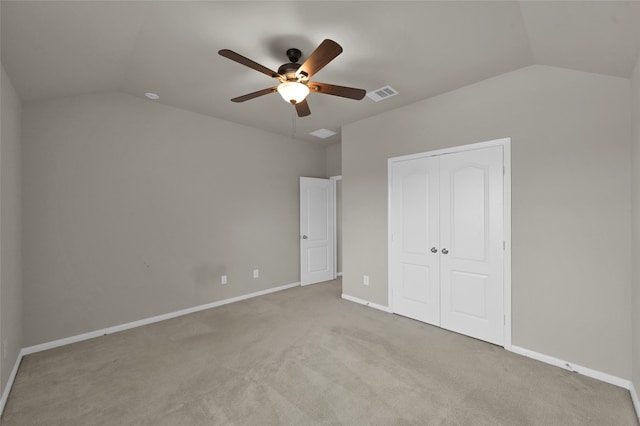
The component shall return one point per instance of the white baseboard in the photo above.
(366, 303)
(635, 399)
(595, 374)
(9, 385)
(339, 274)
(92, 334)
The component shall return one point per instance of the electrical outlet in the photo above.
(365, 279)
(256, 273)
(223, 279)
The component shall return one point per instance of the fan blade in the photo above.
(320, 57)
(331, 89)
(254, 94)
(302, 108)
(230, 54)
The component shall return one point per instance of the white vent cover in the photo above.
(382, 93)
(322, 133)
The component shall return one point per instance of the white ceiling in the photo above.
(57, 48)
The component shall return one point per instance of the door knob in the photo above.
(304, 237)
(445, 251)
(434, 250)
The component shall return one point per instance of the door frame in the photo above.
(337, 178)
(505, 143)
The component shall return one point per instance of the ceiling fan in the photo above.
(295, 78)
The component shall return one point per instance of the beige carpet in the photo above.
(297, 357)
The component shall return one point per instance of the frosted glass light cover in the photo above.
(293, 92)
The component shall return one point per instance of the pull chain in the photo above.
(293, 123)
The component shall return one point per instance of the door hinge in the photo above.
(504, 319)
(504, 245)
(504, 171)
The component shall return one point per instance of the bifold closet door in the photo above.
(447, 234)
(471, 239)
(415, 268)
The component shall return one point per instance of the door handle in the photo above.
(434, 250)
(304, 237)
(445, 251)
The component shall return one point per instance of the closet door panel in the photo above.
(414, 232)
(471, 236)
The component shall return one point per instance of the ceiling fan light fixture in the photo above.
(293, 92)
(295, 79)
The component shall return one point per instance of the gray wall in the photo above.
(134, 209)
(635, 196)
(334, 160)
(10, 228)
(570, 202)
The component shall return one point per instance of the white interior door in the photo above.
(415, 272)
(317, 237)
(471, 236)
(447, 241)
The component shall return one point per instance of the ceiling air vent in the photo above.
(382, 93)
(322, 133)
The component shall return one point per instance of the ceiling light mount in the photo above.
(294, 54)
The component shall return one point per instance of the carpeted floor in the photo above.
(299, 357)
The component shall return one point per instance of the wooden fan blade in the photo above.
(302, 108)
(230, 54)
(254, 94)
(331, 89)
(320, 57)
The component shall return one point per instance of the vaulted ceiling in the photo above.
(421, 49)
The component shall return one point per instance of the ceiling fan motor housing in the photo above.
(289, 70)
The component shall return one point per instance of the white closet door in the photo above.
(471, 240)
(414, 222)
